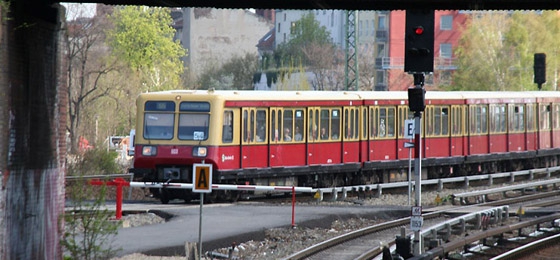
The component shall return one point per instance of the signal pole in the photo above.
(419, 59)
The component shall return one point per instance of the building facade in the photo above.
(447, 32)
(213, 36)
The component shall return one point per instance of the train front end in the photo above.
(173, 132)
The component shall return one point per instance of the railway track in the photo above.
(367, 243)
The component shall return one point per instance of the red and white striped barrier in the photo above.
(120, 182)
(222, 187)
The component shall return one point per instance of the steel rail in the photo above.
(525, 249)
(459, 243)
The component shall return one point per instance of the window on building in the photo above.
(381, 22)
(279, 27)
(380, 50)
(445, 50)
(379, 77)
(446, 22)
(360, 29)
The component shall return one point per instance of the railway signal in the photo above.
(419, 41)
(539, 67)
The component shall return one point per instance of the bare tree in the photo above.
(320, 57)
(85, 67)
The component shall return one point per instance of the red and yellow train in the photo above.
(327, 139)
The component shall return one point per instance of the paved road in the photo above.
(225, 223)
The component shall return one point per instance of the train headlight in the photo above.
(199, 151)
(149, 150)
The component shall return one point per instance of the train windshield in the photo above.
(194, 120)
(159, 119)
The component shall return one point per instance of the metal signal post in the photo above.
(417, 104)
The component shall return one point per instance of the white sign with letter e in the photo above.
(202, 177)
(409, 129)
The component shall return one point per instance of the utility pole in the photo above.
(351, 75)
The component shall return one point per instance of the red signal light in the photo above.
(419, 30)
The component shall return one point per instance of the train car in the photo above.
(327, 139)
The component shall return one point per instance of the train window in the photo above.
(478, 119)
(227, 127)
(386, 122)
(544, 116)
(313, 124)
(498, 118)
(288, 125)
(356, 129)
(556, 117)
(159, 120)
(193, 125)
(364, 123)
(372, 123)
(247, 133)
(299, 125)
(273, 129)
(325, 124)
(531, 115)
(158, 126)
(277, 131)
(168, 106)
(351, 123)
(441, 120)
(260, 128)
(429, 120)
(516, 118)
(194, 107)
(456, 121)
(335, 124)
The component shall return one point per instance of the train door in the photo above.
(324, 146)
(230, 149)
(287, 132)
(516, 128)
(457, 130)
(498, 128)
(478, 129)
(556, 125)
(312, 135)
(351, 144)
(254, 141)
(383, 147)
(531, 137)
(364, 140)
(544, 126)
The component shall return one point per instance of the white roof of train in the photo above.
(353, 95)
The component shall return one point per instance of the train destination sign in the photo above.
(202, 178)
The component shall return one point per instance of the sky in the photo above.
(76, 10)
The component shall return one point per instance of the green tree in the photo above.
(142, 37)
(89, 230)
(496, 50)
(306, 33)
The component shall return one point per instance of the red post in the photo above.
(119, 183)
(293, 206)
